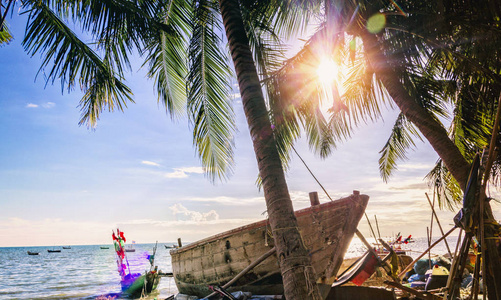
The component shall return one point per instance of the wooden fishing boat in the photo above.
(53, 251)
(326, 229)
(33, 253)
(134, 284)
(66, 247)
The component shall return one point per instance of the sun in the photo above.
(327, 71)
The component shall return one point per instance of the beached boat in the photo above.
(135, 284)
(326, 229)
(33, 253)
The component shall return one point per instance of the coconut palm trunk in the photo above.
(445, 148)
(432, 130)
(297, 273)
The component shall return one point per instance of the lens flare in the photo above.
(327, 71)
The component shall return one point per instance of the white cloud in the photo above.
(31, 105)
(409, 167)
(182, 213)
(183, 172)
(148, 230)
(49, 105)
(150, 163)
(229, 200)
(198, 170)
(176, 174)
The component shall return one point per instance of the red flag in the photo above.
(122, 236)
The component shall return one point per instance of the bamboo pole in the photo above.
(382, 262)
(488, 167)
(401, 275)
(377, 226)
(372, 230)
(457, 273)
(453, 265)
(476, 279)
(429, 243)
(438, 223)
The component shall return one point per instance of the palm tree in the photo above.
(158, 30)
(297, 273)
(421, 56)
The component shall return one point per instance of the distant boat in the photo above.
(327, 230)
(104, 247)
(130, 248)
(33, 253)
(171, 246)
(66, 247)
(53, 250)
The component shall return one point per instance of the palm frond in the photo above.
(5, 34)
(320, 136)
(208, 93)
(448, 191)
(168, 57)
(396, 146)
(284, 119)
(266, 46)
(74, 60)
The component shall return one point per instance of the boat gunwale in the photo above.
(298, 213)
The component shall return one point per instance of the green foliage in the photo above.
(167, 56)
(180, 43)
(5, 34)
(70, 60)
(395, 148)
(208, 92)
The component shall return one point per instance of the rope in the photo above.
(310, 287)
(325, 191)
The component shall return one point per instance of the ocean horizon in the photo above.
(87, 271)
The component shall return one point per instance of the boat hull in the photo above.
(134, 284)
(326, 229)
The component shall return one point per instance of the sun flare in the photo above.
(327, 71)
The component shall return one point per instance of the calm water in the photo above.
(85, 272)
(414, 249)
(82, 272)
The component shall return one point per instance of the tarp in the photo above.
(360, 271)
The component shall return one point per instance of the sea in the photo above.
(82, 272)
(89, 272)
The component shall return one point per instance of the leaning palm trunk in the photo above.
(445, 148)
(432, 130)
(297, 273)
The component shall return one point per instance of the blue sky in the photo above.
(61, 183)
